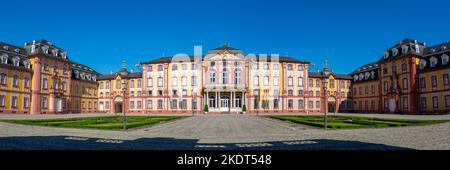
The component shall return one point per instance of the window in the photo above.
(373, 89)
(290, 104)
(149, 68)
(183, 66)
(107, 94)
(311, 93)
(107, 85)
(44, 83)
(149, 93)
(149, 82)
(44, 102)
(423, 103)
(276, 103)
(276, 66)
(184, 81)
(184, 92)
(194, 104)
(160, 104)
(2, 100)
(194, 80)
(290, 93)
(405, 84)
(160, 81)
(404, 67)
(266, 66)
(174, 81)
(310, 104)
(300, 104)
(394, 69)
(149, 104)
(237, 77)
(131, 104)
(160, 92)
(174, 67)
(4, 59)
(300, 92)
(193, 66)
(256, 81)
(63, 85)
(266, 80)
(183, 104)
(139, 83)
(447, 101)
(117, 84)
(131, 83)
(276, 81)
(331, 83)
(433, 62)
(290, 81)
(311, 83)
(360, 90)
(225, 76)
(445, 59)
(3, 78)
(212, 101)
(14, 102)
(434, 81)
(26, 102)
(317, 82)
(16, 81)
(300, 67)
(139, 93)
(300, 82)
(422, 83)
(317, 93)
(435, 102)
(445, 79)
(289, 66)
(139, 104)
(385, 86)
(212, 77)
(366, 105)
(366, 90)
(317, 104)
(405, 102)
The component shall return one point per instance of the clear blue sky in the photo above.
(348, 33)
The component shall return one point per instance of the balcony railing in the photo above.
(225, 86)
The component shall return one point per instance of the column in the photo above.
(216, 100)
(219, 101)
(207, 99)
(36, 92)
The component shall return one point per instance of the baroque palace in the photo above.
(39, 78)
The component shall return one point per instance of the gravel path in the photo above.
(224, 132)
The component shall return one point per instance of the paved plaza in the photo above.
(224, 132)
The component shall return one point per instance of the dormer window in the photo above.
(433, 62)
(16, 50)
(394, 52)
(77, 74)
(27, 64)
(404, 49)
(422, 64)
(6, 47)
(367, 75)
(45, 49)
(386, 54)
(433, 50)
(361, 76)
(15, 61)
(372, 74)
(94, 78)
(443, 48)
(33, 48)
(64, 55)
(55, 52)
(355, 77)
(4, 58)
(417, 49)
(444, 58)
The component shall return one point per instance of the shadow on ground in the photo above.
(83, 143)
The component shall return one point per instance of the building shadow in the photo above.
(83, 143)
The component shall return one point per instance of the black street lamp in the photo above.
(325, 85)
(124, 88)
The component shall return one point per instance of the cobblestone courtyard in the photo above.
(224, 132)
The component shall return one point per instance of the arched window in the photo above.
(225, 76)
(256, 81)
(237, 76)
(212, 76)
(266, 80)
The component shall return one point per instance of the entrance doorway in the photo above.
(224, 104)
(331, 107)
(118, 107)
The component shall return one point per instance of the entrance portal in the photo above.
(224, 104)
(331, 107)
(118, 107)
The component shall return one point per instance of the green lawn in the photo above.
(344, 122)
(107, 122)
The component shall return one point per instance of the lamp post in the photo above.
(325, 85)
(124, 88)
